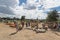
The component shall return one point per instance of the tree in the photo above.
(23, 18)
(52, 16)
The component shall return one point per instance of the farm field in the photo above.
(25, 34)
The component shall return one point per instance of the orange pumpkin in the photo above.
(12, 25)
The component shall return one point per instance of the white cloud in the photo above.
(6, 10)
(11, 3)
(6, 7)
(32, 12)
(51, 3)
(46, 3)
(29, 13)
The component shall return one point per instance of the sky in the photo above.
(31, 9)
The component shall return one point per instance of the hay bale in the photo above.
(29, 28)
(40, 30)
(20, 28)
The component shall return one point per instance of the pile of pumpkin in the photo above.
(11, 24)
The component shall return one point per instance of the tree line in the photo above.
(51, 17)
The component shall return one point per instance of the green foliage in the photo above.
(23, 18)
(52, 16)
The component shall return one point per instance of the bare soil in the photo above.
(25, 34)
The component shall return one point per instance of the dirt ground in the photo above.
(25, 34)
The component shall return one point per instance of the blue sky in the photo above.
(30, 8)
(22, 1)
(42, 6)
